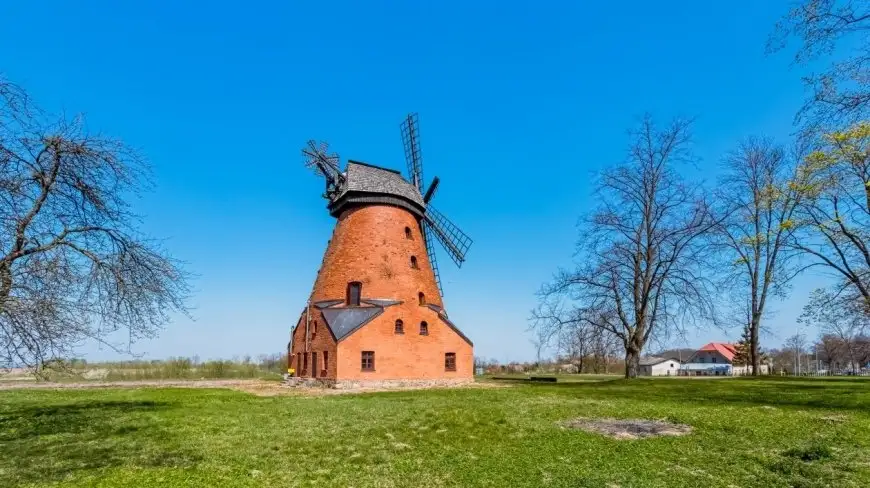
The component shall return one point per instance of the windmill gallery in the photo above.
(376, 311)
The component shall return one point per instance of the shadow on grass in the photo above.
(42, 444)
(787, 392)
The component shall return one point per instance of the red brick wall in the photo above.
(320, 341)
(369, 245)
(407, 356)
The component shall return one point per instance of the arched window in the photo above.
(414, 262)
(424, 328)
(408, 234)
(400, 326)
(354, 290)
(421, 298)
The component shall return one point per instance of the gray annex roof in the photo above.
(652, 361)
(344, 321)
(364, 180)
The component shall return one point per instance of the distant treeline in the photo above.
(265, 366)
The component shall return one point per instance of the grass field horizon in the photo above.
(746, 432)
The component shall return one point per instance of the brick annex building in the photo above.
(376, 311)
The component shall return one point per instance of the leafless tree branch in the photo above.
(73, 265)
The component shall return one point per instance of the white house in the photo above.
(654, 366)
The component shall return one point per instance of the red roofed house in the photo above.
(716, 359)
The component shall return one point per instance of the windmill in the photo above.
(378, 280)
(433, 224)
(454, 241)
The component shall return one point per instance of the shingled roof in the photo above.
(363, 179)
(344, 321)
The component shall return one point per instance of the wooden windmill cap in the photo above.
(367, 184)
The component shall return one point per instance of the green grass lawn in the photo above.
(766, 433)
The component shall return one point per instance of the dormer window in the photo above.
(354, 290)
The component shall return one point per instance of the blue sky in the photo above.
(520, 103)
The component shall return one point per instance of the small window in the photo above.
(450, 361)
(421, 298)
(400, 326)
(368, 360)
(424, 328)
(354, 290)
(325, 363)
(408, 234)
(314, 329)
(414, 262)
(713, 359)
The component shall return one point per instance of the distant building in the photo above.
(717, 359)
(655, 366)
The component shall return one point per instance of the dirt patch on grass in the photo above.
(834, 419)
(625, 429)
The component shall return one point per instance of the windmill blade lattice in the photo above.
(413, 156)
(455, 242)
(317, 157)
(430, 251)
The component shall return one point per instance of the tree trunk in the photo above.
(853, 363)
(632, 363)
(754, 356)
(5, 284)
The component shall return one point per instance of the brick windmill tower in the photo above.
(376, 309)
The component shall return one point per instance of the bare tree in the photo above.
(839, 316)
(841, 94)
(796, 345)
(575, 344)
(759, 200)
(605, 346)
(831, 350)
(72, 264)
(640, 253)
(835, 209)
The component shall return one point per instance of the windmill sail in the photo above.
(434, 225)
(318, 158)
(413, 157)
(455, 242)
(430, 251)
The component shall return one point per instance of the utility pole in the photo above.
(797, 362)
